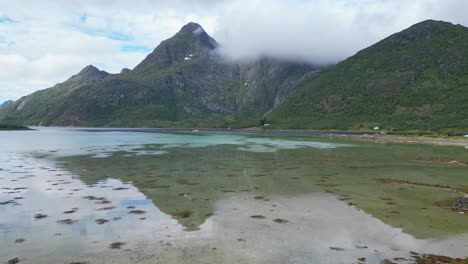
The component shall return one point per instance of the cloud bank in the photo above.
(45, 42)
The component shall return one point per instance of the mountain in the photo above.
(5, 104)
(416, 79)
(183, 82)
(50, 104)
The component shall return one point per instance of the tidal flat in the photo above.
(95, 196)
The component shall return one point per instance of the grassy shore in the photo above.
(4, 127)
(404, 137)
(434, 140)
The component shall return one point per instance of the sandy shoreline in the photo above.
(407, 139)
(374, 136)
(351, 135)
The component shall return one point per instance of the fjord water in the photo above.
(224, 198)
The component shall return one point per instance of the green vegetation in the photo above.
(5, 104)
(415, 80)
(13, 127)
(182, 83)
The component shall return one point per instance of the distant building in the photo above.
(376, 128)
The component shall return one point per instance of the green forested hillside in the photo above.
(416, 79)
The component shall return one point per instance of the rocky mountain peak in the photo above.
(197, 33)
(426, 30)
(92, 72)
(191, 27)
(125, 70)
(86, 75)
(189, 44)
(429, 23)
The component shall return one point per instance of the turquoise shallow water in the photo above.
(173, 198)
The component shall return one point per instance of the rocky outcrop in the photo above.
(460, 204)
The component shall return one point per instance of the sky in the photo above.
(45, 42)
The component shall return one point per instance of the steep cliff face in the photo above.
(184, 81)
(267, 82)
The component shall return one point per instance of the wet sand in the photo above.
(319, 229)
(408, 139)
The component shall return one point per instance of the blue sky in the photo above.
(136, 48)
(5, 19)
(45, 42)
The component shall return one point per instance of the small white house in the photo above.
(376, 128)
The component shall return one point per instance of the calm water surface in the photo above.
(132, 197)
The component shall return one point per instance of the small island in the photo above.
(6, 127)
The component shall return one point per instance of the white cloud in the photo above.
(324, 31)
(51, 40)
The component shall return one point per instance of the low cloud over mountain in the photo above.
(49, 41)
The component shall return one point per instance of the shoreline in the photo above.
(407, 139)
(351, 135)
(404, 137)
(14, 128)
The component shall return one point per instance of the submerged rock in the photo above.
(137, 212)
(430, 258)
(120, 188)
(182, 214)
(101, 221)
(67, 221)
(73, 210)
(117, 245)
(337, 248)
(106, 208)
(257, 216)
(460, 204)
(40, 216)
(6, 202)
(280, 221)
(13, 261)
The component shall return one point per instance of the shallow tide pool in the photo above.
(92, 196)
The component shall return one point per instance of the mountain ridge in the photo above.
(416, 79)
(182, 82)
(5, 103)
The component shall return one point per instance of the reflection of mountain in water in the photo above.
(188, 182)
(187, 185)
